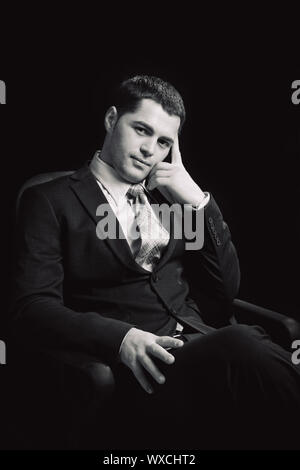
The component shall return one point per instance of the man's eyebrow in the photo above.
(151, 130)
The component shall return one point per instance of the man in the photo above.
(125, 298)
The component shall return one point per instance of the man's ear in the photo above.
(111, 117)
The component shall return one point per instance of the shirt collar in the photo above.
(109, 178)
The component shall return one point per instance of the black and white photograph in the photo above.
(150, 242)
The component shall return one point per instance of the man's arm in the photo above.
(217, 263)
(217, 266)
(40, 316)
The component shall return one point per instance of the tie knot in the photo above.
(135, 191)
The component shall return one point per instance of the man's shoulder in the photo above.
(55, 184)
(47, 185)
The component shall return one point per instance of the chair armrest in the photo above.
(281, 328)
(91, 378)
(78, 377)
(48, 387)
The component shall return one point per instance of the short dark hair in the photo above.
(132, 90)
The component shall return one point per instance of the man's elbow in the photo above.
(233, 278)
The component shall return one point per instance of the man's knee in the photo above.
(234, 344)
(242, 343)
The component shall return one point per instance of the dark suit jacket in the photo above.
(72, 289)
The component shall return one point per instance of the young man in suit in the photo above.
(195, 379)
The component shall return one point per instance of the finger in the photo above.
(163, 172)
(175, 153)
(152, 369)
(157, 181)
(158, 167)
(169, 342)
(137, 370)
(158, 351)
(162, 166)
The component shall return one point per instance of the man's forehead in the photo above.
(153, 114)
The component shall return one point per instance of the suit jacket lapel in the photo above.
(91, 197)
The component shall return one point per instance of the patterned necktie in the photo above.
(153, 237)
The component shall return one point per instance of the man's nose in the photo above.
(147, 148)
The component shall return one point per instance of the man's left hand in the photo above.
(174, 178)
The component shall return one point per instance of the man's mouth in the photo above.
(140, 161)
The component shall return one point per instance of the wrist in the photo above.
(199, 199)
(128, 334)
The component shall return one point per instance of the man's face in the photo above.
(140, 140)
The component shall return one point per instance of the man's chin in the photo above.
(135, 177)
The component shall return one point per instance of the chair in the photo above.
(78, 380)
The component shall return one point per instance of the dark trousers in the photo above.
(232, 388)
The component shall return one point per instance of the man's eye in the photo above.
(164, 144)
(140, 130)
